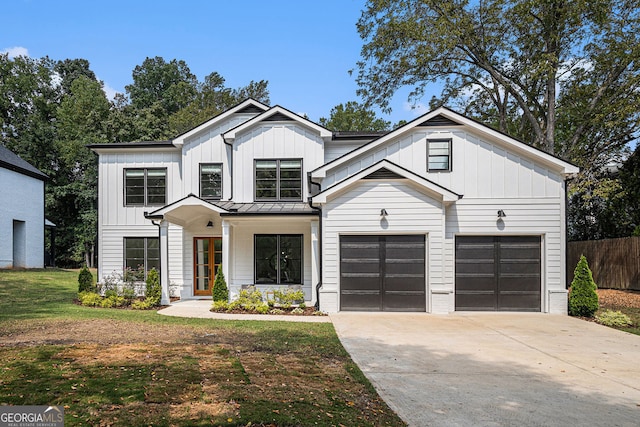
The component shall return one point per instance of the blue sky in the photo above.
(303, 48)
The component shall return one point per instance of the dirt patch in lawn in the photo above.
(100, 331)
(109, 372)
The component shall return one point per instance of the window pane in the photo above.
(211, 181)
(266, 179)
(134, 186)
(153, 253)
(291, 259)
(439, 163)
(156, 186)
(266, 253)
(133, 253)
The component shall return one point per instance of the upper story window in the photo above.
(211, 181)
(278, 179)
(439, 154)
(145, 187)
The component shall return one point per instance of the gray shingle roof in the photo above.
(10, 160)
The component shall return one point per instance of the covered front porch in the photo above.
(268, 245)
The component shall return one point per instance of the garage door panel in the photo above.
(404, 301)
(360, 283)
(500, 273)
(477, 283)
(360, 301)
(519, 301)
(476, 301)
(382, 273)
(529, 284)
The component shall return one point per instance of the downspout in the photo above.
(319, 210)
(230, 167)
(153, 219)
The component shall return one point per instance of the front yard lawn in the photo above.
(129, 368)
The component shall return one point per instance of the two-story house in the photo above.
(441, 214)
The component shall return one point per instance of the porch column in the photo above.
(315, 258)
(226, 251)
(164, 262)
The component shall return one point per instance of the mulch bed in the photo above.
(308, 311)
(618, 298)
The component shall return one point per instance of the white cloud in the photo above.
(15, 51)
(109, 91)
(415, 109)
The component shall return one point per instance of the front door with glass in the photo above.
(207, 258)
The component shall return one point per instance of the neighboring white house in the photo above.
(441, 214)
(22, 219)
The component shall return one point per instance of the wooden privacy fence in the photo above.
(615, 263)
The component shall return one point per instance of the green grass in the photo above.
(130, 368)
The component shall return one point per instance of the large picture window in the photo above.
(141, 254)
(278, 258)
(439, 154)
(278, 179)
(211, 181)
(145, 187)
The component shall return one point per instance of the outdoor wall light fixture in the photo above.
(210, 224)
(383, 213)
(501, 214)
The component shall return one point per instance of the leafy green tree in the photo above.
(353, 117)
(563, 76)
(81, 120)
(28, 103)
(583, 298)
(156, 80)
(213, 98)
(70, 69)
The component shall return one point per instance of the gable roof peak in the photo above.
(277, 113)
(248, 106)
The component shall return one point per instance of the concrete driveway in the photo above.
(497, 369)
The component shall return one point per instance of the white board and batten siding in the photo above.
(357, 211)
(206, 147)
(117, 221)
(273, 140)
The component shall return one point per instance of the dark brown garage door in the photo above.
(498, 273)
(382, 273)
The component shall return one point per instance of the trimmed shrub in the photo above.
(220, 292)
(153, 291)
(140, 305)
(90, 299)
(85, 281)
(614, 319)
(583, 299)
(219, 306)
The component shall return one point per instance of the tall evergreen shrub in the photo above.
(583, 299)
(220, 292)
(85, 281)
(153, 291)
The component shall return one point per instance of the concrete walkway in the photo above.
(497, 369)
(200, 309)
